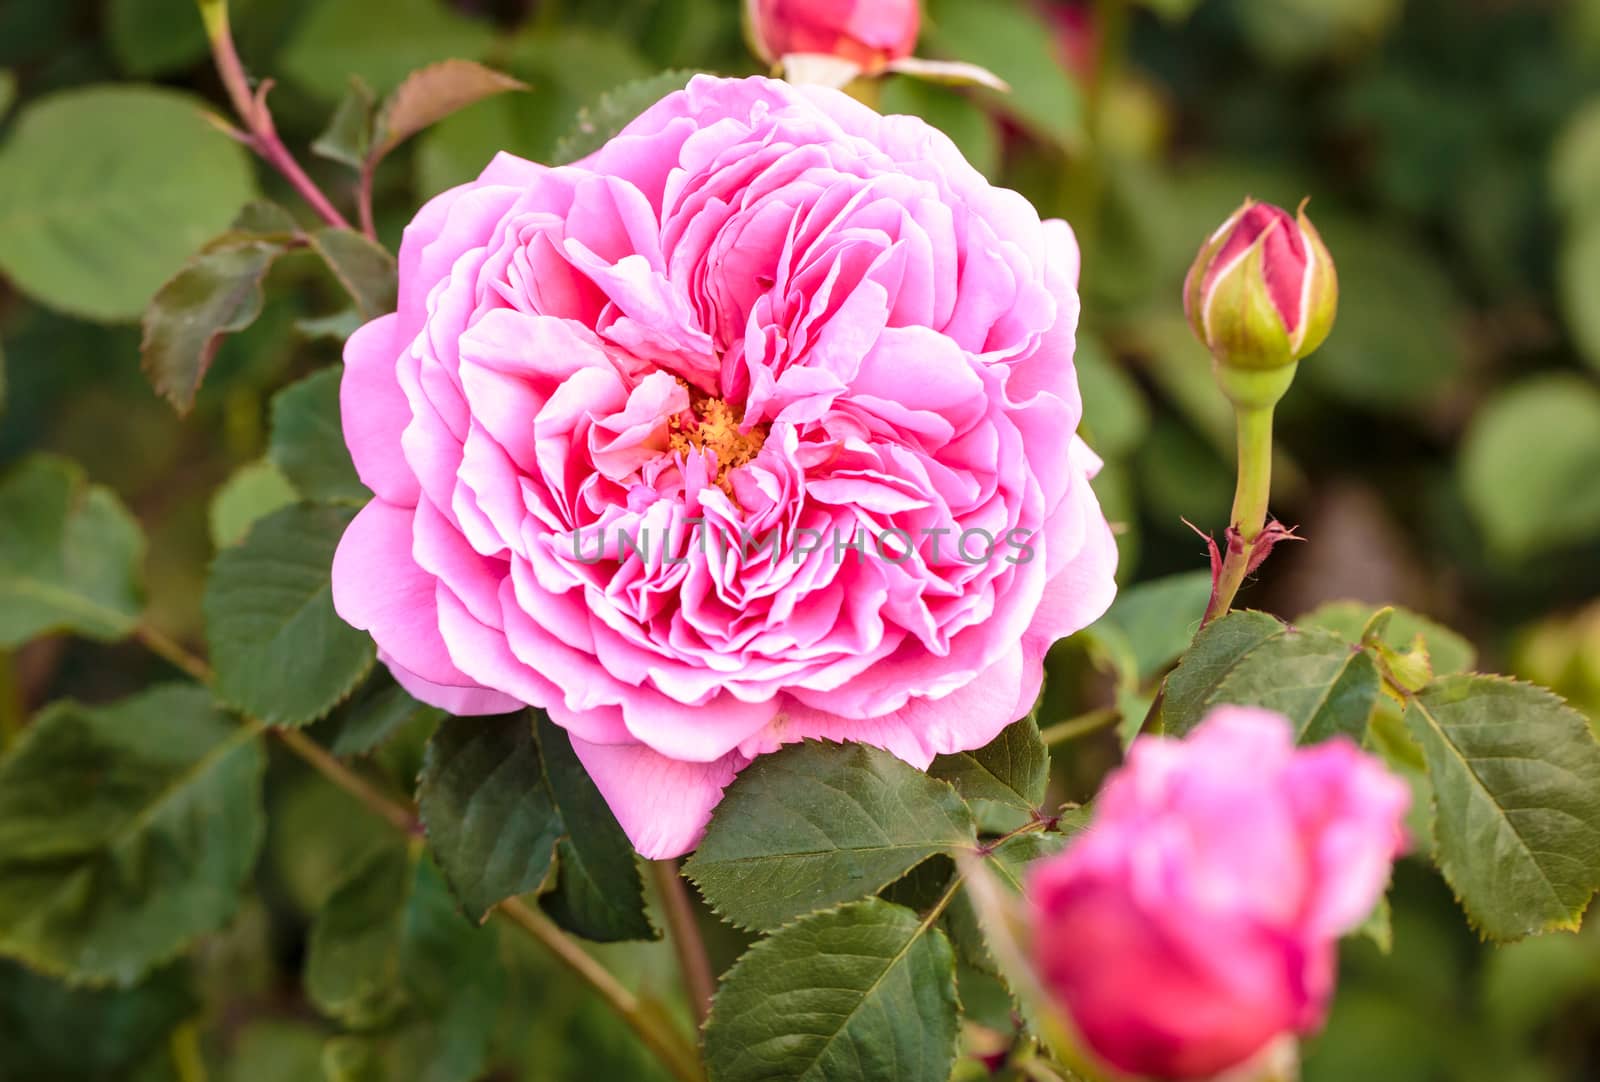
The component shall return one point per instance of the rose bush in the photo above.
(1198, 917)
(631, 415)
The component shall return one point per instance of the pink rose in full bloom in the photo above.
(1197, 918)
(868, 33)
(696, 445)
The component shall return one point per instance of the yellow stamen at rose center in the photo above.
(711, 424)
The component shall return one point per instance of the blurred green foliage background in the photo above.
(1443, 451)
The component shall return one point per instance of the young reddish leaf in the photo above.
(431, 94)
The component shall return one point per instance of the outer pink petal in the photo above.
(662, 804)
(922, 728)
(463, 702)
(375, 411)
(378, 587)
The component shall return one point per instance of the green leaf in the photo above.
(255, 490)
(1208, 661)
(1013, 41)
(1448, 651)
(368, 721)
(1320, 682)
(615, 110)
(598, 892)
(817, 824)
(1156, 620)
(1528, 464)
(217, 293)
(154, 37)
(366, 270)
(348, 137)
(106, 191)
(280, 651)
(307, 441)
(8, 92)
(431, 94)
(43, 1024)
(1013, 769)
(489, 815)
(380, 41)
(1516, 781)
(70, 555)
(504, 797)
(390, 952)
(865, 991)
(125, 832)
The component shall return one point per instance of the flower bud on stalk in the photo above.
(1261, 295)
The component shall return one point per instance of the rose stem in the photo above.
(674, 1052)
(1082, 725)
(685, 933)
(260, 134)
(1249, 504)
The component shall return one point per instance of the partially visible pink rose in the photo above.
(869, 33)
(633, 416)
(1197, 919)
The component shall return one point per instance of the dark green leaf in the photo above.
(43, 1024)
(218, 293)
(864, 991)
(366, 270)
(615, 110)
(380, 712)
(125, 832)
(106, 191)
(70, 555)
(433, 93)
(307, 441)
(1516, 781)
(280, 651)
(500, 798)
(598, 893)
(389, 951)
(489, 815)
(817, 824)
(1115, 414)
(348, 138)
(255, 490)
(1013, 769)
(8, 92)
(1323, 684)
(1208, 661)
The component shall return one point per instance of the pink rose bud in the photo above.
(1263, 291)
(869, 33)
(1195, 922)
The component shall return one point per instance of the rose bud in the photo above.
(1263, 291)
(867, 33)
(1194, 923)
